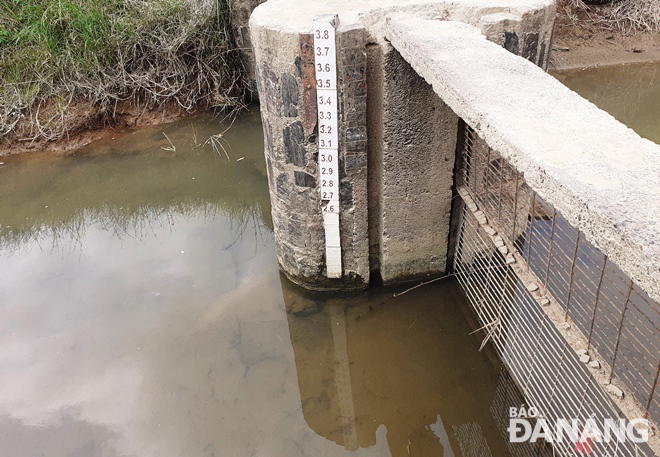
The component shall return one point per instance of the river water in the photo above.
(142, 314)
(630, 93)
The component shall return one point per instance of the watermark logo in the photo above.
(527, 425)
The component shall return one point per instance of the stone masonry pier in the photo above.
(397, 136)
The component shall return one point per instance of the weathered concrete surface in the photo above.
(395, 198)
(296, 16)
(418, 149)
(602, 177)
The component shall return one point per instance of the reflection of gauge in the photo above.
(343, 376)
(405, 376)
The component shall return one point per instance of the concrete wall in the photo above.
(416, 152)
(397, 137)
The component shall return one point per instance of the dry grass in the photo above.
(625, 16)
(55, 53)
(633, 15)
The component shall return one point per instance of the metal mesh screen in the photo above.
(508, 394)
(616, 318)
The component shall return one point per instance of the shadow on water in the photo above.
(142, 314)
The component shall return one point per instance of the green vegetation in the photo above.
(148, 52)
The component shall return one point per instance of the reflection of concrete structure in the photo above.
(397, 367)
(471, 441)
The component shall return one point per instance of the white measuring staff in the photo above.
(325, 64)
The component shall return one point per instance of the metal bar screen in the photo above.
(504, 222)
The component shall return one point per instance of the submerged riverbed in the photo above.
(630, 93)
(142, 314)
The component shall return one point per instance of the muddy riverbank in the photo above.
(69, 69)
(581, 48)
(87, 124)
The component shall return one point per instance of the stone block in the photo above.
(293, 137)
(303, 179)
(289, 95)
(614, 390)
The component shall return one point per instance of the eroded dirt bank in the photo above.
(591, 47)
(88, 124)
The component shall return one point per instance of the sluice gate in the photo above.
(567, 323)
(458, 153)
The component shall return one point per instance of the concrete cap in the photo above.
(296, 16)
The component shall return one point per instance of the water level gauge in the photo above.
(325, 65)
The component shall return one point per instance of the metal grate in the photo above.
(618, 321)
(507, 395)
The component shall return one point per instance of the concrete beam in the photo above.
(601, 175)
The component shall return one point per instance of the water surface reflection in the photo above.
(405, 372)
(630, 93)
(142, 314)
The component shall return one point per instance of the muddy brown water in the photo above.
(142, 314)
(630, 93)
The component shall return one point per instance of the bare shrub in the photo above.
(626, 16)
